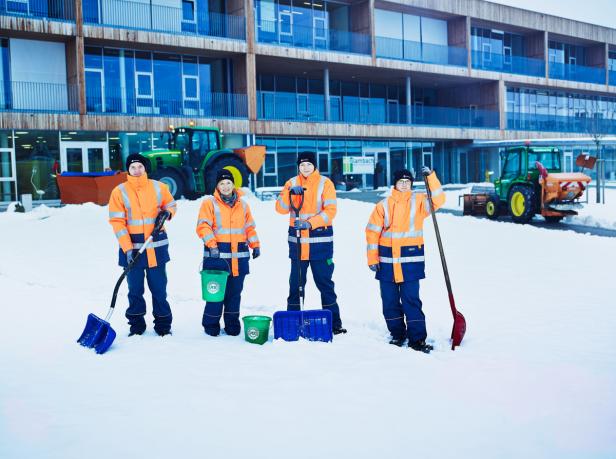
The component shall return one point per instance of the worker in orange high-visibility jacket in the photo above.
(134, 208)
(227, 230)
(396, 254)
(317, 234)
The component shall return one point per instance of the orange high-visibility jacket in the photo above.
(231, 229)
(319, 208)
(133, 208)
(394, 233)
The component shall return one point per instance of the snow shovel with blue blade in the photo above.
(98, 333)
(311, 325)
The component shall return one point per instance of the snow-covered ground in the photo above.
(534, 377)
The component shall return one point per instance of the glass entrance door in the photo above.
(84, 156)
(380, 175)
(8, 175)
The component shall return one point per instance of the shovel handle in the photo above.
(452, 302)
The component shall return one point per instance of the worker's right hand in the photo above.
(374, 268)
(214, 252)
(296, 190)
(130, 255)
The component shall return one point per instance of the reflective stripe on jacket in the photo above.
(231, 229)
(394, 233)
(319, 208)
(133, 208)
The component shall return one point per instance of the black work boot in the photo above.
(163, 332)
(421, 346)
(339, 330)
(397, 341)
(137, 328)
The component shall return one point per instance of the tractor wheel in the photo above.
(234, 165)
(493, 207)
(173, 180)
(553, 219)
(521, 203)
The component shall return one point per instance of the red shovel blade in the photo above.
(459, 328)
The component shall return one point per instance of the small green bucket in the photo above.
(213, 284)
(256, 329)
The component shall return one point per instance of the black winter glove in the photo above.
(214, 252)
(256, 253)
(162, 214)
(296, 190)
(374, 268)
(130, 255)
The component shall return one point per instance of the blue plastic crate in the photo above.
(317, 325)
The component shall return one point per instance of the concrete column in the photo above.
(251, 86)
(75, 72)
(502, 104)
(249, 9)
(469, 56)
(409, 102)
(326, 93)
(372, 32)
(546, 53)
(607, 66)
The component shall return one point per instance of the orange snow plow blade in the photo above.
(253, 157)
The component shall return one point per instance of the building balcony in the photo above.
(146, 16)
(352, 110)
(520, 65)
(113, 101)
(57, 10)
(581, 73)
(324, 39)
(553, 123)
(24, 96)
(392, 48)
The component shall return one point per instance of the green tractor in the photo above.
(531, 182)
(194, 155)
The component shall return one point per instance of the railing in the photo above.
(530, 122)
(145, 16)
(311, 108)
(393, 48)
(612, 77)
(581, 73)
(521, 65)
(314, 38)
(165, 103)
(25, 96)
(59, 10)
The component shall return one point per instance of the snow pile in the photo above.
(534, 377)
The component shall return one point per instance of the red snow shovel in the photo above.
(98, 333)
(459, 323)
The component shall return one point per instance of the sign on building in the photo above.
(358, 165)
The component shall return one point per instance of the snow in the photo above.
(534, 377)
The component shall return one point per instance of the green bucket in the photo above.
(256, 329)
(213, 284)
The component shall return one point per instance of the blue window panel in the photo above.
(94, 96)
(190, 87)
(144, 86)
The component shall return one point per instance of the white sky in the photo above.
(601, 12)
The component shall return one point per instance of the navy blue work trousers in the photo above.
(231, 305)
(322, 272)
(401, 300)
(157, 283)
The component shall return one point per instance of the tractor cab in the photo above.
(520, 167)
(194, 144)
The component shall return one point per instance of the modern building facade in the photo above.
(406, 82)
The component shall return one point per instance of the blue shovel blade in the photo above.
(97, 334)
